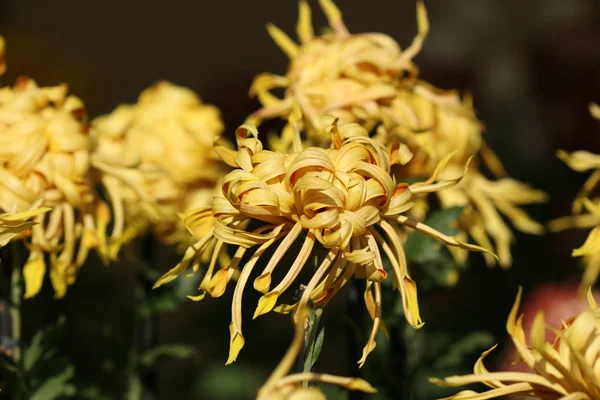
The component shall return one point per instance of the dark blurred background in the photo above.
(533, 66)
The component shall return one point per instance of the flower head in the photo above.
(44, 162)
(350, 76)
(341, 199)
(157, 161)
(564, 369)
(367, 78)
(282, 385)
(586, 209)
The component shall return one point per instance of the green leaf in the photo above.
(169, 297)
(423, 248)
(43, 345)
(56, 386)
(314, 339)
(436, 262)
(10, 375)
(92, 393)
(464, 348)
(177, 350)
(220, 382)
(134, 387)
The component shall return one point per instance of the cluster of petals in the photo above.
(341, 200)
(45, 163)
(156, 161)
(368, 79)
(586, 208)
(567, 368)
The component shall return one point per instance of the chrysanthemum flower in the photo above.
(367, 78)
(586, 209)
(342, 199)
(44, 162)
(565, 369)
(282, 385)
(157, 161)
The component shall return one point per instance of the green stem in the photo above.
(16, 294)
(354, 332)
(313, 341)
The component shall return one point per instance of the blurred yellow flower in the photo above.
(282, 385)
(350, 76)
(157, 161)
(44, 162)
(342, 198)
(586, 209)
(367, 78)
(433, 123)
(565, 369)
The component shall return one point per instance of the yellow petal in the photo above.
(282, 40)
(235, 345)
(580, 161)
(33, 273)
(591, 245)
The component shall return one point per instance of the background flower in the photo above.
(44, 162)
(366, 78)
(157, 161)
(562, 369)
(586, 209)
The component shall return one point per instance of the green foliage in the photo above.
(428, 256)
(314, 339)
(56, 386)
(134, 387)
(177, 351)
(44, 373)
(464, 348)
(220, 382)
(167, 297)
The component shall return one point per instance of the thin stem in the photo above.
(147, 325)
(16, 294)
(357, 322)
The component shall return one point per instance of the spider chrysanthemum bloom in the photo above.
(350, 76)
(341, 199)
(44, 162)
(586, 209)
(433, 123)
(157, 161)
(282, 385)
(367, 78)
(568, 368)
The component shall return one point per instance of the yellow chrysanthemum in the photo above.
(586, 209)
(157, 161)
(282, 385)
(342, 198)
(350, 76)
(569, 368)
(366, 78)
(433, 123)
(44, 161)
